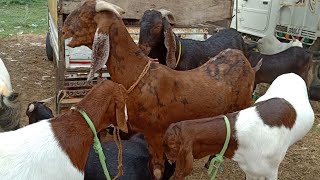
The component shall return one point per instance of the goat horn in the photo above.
(47, 100)
(168, 15)
(31, 108)
(105, 6)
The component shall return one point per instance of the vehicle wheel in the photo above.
(49, 49)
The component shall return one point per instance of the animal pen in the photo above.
(72, 64)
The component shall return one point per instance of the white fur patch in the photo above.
(269, 45)
(105, 6)
(126, 112)
(33, 153)
(31, 107)
(5, 82)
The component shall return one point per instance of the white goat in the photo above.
(269, 45)
(260, 135)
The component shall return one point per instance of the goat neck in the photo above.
(126, 61)
(215, 128)
(72, 131)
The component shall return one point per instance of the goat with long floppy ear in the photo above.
(101, 44)
(169, 38)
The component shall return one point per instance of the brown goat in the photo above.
(158, 95)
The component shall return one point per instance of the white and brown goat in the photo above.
(260, 134)
(58, 148)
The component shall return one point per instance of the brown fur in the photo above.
(195, 139)
(170, 43)
(72, 131)
(284, 113)
(164, 96)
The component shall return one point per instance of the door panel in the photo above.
(255, 14)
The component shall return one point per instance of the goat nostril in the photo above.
(143, 49)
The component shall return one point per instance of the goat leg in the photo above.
(157, 156)
(184, 163)
(208, 162)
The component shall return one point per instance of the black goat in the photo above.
(135, 161)
(293, 60)
(135, 153)
(157, 40)
(37, 111)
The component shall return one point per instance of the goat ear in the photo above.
(121, 110)
(170, 44)
(100, 52)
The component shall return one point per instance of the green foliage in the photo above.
(20, 2)
(23, 16)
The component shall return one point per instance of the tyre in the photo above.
(49, 49)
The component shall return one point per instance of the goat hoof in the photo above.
(157, 173)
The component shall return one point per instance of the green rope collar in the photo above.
(96, 143)
(216, 161)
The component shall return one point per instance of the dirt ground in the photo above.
(34, 77)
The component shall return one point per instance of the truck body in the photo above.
(72, 64)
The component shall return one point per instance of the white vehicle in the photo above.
(283, 18)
